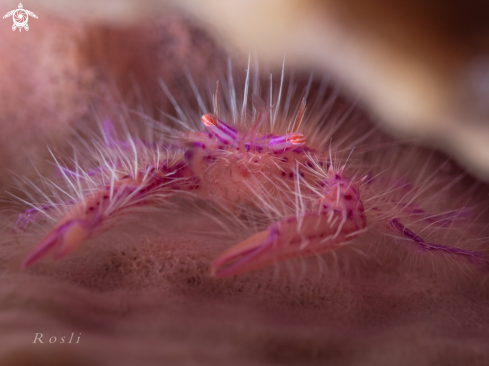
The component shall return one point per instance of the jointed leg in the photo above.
(471, 256)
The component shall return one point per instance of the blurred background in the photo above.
(420, 68)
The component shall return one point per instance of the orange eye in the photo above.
(209, 119)
(297, 138)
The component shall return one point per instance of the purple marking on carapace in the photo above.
(256, 147)
(198, 144)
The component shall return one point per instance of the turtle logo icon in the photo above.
(20, 17)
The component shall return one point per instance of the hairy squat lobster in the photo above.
(319, 206)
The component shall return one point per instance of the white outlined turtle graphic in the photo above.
(20, 17)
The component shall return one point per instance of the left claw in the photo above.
(62, 240)
(326, 231)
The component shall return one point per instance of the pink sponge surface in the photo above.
(149, 300)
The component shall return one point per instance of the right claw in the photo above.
(311, 234)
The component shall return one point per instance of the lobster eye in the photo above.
(209, 119)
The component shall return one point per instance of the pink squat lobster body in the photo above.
(233, 169)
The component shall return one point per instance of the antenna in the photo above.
(300, 115)
(216, 111)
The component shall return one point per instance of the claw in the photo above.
(93, 214)
(293, 237)
(241, 253)
(62, 240)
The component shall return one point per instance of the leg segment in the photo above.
(470, 256)
(93, 213)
